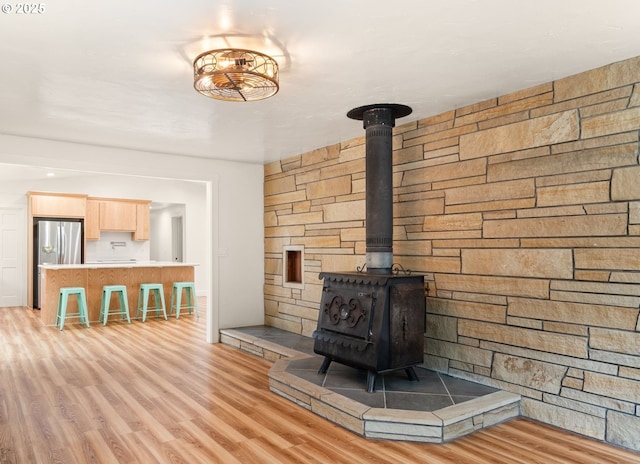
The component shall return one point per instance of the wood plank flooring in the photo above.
(156, 392)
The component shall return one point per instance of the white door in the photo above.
(11, 257)
(176, 239)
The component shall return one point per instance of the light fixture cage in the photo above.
(234, 74)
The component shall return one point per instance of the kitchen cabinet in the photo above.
(99, 214)
(65, 205)
(118, 215)
(143, 219)
(92, 220)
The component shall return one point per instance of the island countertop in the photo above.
(93, 276)
(115, 264)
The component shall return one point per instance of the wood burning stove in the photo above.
(374, 320)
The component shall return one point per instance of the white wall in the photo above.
(224, 217)
(161, 231)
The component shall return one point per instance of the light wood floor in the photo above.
(156, 392)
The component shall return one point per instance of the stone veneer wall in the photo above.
(523, 212)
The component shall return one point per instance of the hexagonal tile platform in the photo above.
(435, 409)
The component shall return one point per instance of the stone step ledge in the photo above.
(256, 346)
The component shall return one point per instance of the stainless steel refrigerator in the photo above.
(55, 242)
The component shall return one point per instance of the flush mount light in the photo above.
(235, 75)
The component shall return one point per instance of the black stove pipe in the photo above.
(378, 121)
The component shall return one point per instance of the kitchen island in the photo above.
(95, 275)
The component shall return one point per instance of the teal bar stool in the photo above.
(143, 300)
(123, 310)
(189, 289)
(63, 299)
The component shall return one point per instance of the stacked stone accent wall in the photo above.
(523, 212)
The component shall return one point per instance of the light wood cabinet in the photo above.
(57, 205)
(92, 220)
(99, 214)
(116, 215)
(143, 219)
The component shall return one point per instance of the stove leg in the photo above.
(325, 365)
(411, 374)
(371, 381)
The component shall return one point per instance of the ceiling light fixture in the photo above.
(235, 74)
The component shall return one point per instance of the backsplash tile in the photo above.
(103, 250)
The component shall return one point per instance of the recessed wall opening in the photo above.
(293, 266)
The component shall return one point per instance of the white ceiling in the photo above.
(118, 73)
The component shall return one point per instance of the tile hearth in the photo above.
(436, 409)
